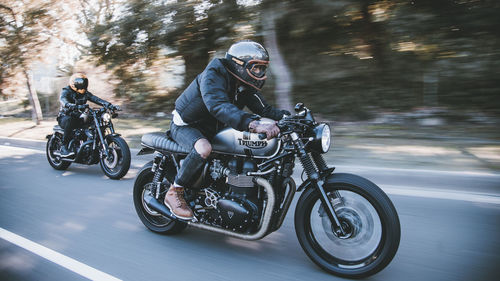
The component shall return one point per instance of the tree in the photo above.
(24, 26)
(147, 33)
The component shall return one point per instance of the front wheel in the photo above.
(370, 221)
(153, 220)
(117, 163)
(53, 151)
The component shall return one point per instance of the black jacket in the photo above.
(215, 96)
(69, 97)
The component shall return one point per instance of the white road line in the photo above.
(442, 194)
(404, 190)
(55, 257)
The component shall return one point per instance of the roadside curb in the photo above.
(38, 144)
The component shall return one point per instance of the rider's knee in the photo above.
(203, 147)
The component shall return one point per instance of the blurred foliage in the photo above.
(348, 58)
(352, 58)
(24, 33)
(148, 32)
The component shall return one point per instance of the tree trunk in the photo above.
(194, 65)
(36, 110)
(278, 67)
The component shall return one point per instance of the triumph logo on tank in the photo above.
(255, 144)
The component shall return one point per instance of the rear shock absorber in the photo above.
(157, 169)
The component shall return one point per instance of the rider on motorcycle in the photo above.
(74, 97)
(215, 99)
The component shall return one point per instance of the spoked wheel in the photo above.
(368, 217)
(151, 219)
(117, 163)
(53, 152)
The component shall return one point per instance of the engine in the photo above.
(232, 200)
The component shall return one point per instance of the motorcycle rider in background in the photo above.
(73, 97)
(214, 100)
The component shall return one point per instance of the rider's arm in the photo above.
(257, 104)
(96, 99)
(213, 87)
(66, 100)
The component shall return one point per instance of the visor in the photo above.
(81, 83)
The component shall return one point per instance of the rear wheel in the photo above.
(151, 219)
(53, 152)
(370, 221)
(117, 163)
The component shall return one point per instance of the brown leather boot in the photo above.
(174, 200)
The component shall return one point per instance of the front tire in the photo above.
(369, 218)
(116, 165)
(53, 146)
(153, 220)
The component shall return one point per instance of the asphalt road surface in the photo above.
(78, 224)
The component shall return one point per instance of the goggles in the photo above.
(257, 69)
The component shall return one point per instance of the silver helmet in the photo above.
(248, 62)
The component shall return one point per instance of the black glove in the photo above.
(286, 112)
(270, 129)
(110, 106)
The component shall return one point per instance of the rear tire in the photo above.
(150, 218)
(54, 144)
(367, 214)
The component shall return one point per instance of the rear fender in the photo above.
(145, 150)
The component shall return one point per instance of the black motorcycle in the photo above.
(94, 143)
(345, 223)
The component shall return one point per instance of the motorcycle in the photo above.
(345, 223)
(96, 142)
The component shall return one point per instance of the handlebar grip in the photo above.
(262, 136)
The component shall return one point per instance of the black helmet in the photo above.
(78, 81)
(248, 61)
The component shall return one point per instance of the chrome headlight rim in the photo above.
(106, 117)
(322, 139)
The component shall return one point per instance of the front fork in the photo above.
(317, 181)
(101, 137)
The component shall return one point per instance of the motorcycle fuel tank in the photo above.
(231, 141)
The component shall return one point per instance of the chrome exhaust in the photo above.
(266, 218)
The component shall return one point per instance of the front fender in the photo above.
(339, 178)
(110, 136)
(349, 179)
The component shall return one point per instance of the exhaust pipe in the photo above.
(265, 222)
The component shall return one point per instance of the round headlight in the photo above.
(322, 138)
(325, 138)
(106, 117)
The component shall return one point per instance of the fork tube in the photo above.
(312, 173)
(98, 128)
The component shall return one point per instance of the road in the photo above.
(450, 229)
